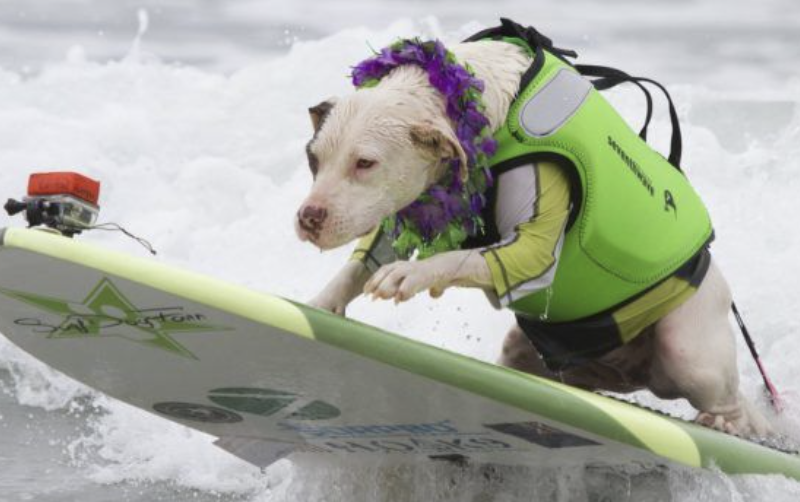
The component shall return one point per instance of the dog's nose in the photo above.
(311, 218)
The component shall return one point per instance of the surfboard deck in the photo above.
(272, 378)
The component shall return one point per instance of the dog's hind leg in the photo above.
(620, 370)
(694, 356)
(519, 353)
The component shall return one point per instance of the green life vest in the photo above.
(636, 219)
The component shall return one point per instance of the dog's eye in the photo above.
(365, 163)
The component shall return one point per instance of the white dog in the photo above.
(376, 150)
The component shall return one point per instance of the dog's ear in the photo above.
(320, 112)
(442, 142)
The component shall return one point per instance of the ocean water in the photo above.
(192, 113)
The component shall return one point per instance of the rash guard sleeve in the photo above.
(374, 250)
(532, 209)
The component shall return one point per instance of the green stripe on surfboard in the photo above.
(681, 442)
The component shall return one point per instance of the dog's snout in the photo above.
(311, 218)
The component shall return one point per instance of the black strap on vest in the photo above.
(611, 77)
(606, 77)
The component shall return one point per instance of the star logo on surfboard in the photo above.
(106, 312)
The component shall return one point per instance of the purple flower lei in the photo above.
(449, 211)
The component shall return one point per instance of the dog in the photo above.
(375, 151)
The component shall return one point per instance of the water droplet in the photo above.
(549, 295)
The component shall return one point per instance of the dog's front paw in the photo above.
(336, 305)
(402, 280)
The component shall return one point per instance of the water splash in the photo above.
(135, 51)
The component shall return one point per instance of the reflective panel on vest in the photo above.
(554, 104)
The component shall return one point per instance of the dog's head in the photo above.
(373, 153)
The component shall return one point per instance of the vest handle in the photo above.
(611, 77)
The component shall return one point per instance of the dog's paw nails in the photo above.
(719, 423)
(711, 421)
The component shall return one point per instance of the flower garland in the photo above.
(448, 212)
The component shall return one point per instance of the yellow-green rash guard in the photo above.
(526, 218)
(530, 207)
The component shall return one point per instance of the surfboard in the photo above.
(272, 378)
